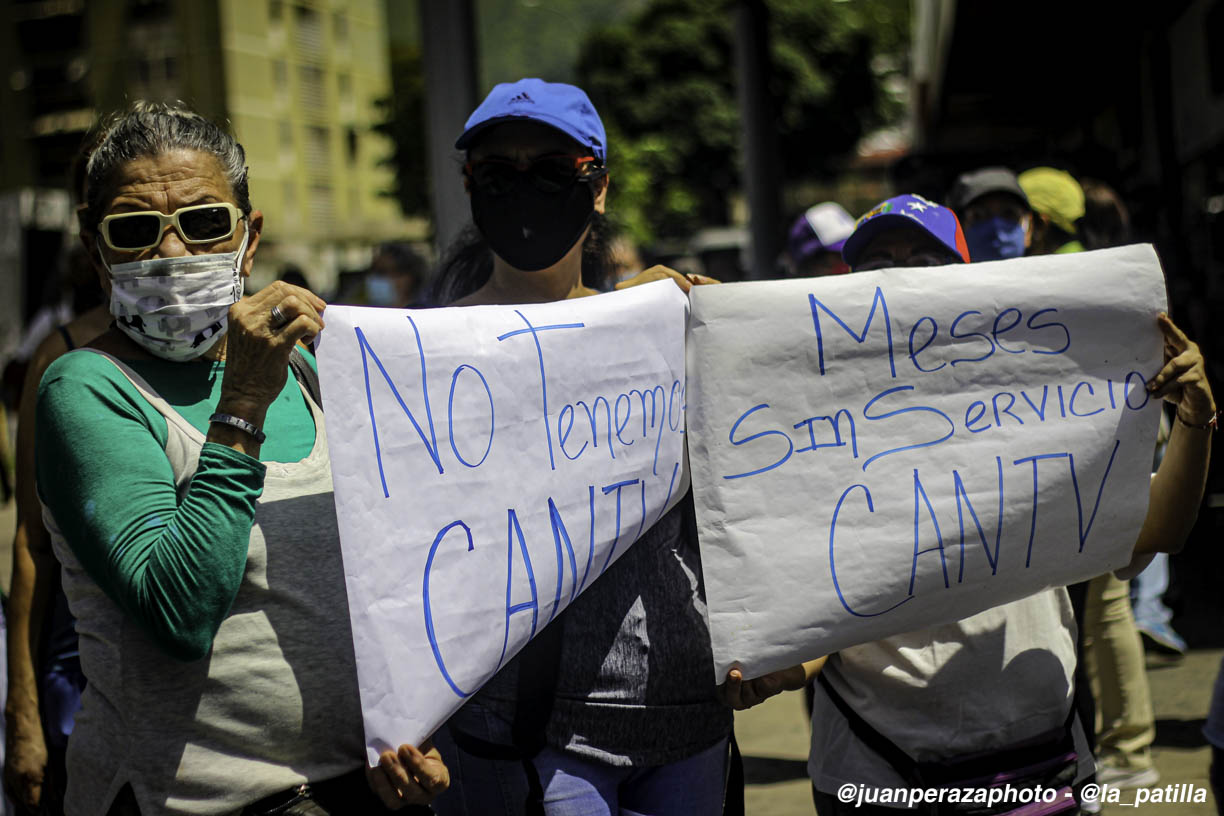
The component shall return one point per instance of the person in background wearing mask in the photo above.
(994, 212)
(990, 694)
(813, 247)
(201, 554)
(395, 277)
(1057, 201)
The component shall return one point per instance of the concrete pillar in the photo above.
(759, 136)
(449, 56)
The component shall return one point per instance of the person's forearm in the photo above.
(1176, 491)
(28, 597)
(811, 668)
(179, 580)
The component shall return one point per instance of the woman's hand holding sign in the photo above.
(1183, 379)
(409, 776)
(741, 694)
(1178, 485)
(657, 273)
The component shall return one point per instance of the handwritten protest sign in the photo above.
(880, 452)
(489, 464)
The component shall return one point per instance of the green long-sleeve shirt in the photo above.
(173, 565)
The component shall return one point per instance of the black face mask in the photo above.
(531, 229)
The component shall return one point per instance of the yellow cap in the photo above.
(1055, 194)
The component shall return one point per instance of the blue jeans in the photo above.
(479, 786)
(1147, 591)
(572, 786)
(579, 787)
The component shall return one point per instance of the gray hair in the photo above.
(153, 128)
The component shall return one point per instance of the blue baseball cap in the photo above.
(937, 221)
(560, 106)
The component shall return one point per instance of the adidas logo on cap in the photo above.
(520, 98)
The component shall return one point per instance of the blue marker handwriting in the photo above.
(546, 565)
(766, 441)
(969, 337)
(979, 535)
(594, 425)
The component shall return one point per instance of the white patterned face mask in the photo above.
(177, 308)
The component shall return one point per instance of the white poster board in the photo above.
(489, 463)
(884, 451)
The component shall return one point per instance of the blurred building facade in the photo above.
(298, 81)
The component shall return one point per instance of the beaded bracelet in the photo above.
(240, 424)
(1209, 425)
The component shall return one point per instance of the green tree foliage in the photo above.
(538, 38)
(664, 83)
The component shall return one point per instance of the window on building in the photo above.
(307, 33)
(351, 140)
(150, 50)
(311, 94)
(290, 199)
(346, 100)
(321, 209)
(317, 152)
(340, 27)
(276, 11)
(280, 80)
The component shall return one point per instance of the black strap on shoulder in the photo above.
(306, 375)
(902, 762)
(63, 331)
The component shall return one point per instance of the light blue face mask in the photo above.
(380, 291)
(995, 239)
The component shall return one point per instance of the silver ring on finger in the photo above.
(277, 317)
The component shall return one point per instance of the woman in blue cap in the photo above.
(614, 709)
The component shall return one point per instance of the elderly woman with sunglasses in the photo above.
(185, 483)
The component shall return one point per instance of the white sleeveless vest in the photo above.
(273, 705)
